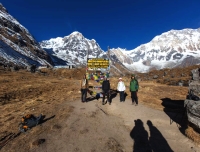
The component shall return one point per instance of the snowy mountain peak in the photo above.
(76, 35)
(72, 48)
(93, 40)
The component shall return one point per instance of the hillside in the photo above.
(17, 45)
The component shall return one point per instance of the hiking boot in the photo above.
(106, 101)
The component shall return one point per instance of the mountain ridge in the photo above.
(18, 46)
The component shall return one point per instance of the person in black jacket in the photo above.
(33, 68)
(106, 90)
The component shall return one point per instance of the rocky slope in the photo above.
(17, 45)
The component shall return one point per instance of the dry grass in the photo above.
(152, 94)
(192, 134)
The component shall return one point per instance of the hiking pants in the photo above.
(106, 93)
(121, 94)
(134, 97)
(83, 95)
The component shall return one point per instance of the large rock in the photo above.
(192, 103)
(193, 112)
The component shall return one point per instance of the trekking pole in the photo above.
(11, 137)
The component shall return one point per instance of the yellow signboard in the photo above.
(95, 63)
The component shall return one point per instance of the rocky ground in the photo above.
(74, 126)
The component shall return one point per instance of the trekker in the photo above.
(106, 90)
(84, 87)
(121, 88)
(33, 68)
(134, 86)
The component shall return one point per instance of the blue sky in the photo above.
(115, 23)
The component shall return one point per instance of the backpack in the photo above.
(29, 121)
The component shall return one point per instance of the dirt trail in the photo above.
(93, 127)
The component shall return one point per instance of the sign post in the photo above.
(87, 54)
(97, 64)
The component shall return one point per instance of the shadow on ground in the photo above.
(177, 113)
(125, 95)
(113, 94)
(91, 98)
(143, 142)
(46, 119)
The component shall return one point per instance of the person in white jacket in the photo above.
(121, 88)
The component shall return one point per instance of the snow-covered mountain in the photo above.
(17, 45)
(73, 49)
(170, 49)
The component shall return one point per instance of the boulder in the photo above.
(192, 103)
(195, 74)
(155, 77)
(193, 112)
